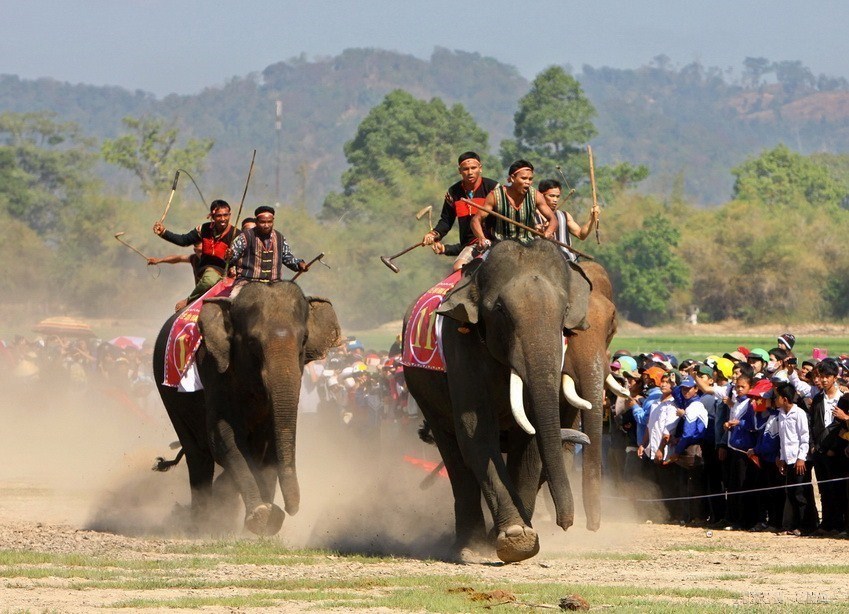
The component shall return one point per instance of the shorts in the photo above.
(467, 254)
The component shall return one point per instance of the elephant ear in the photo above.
(578, 290)
(461, 303)
(216, 328)
(323, 330)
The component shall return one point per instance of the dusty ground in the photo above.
(76, 479)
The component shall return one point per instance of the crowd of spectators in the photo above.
(67, 367)
(751, 440)
(358, 389)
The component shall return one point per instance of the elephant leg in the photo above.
(186, 411)
(478, 439)
(469, 524)
(232, 452)
(431, 394)
(589, 376)
(524, 465)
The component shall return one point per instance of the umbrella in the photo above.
(128, 342)
(63, 327)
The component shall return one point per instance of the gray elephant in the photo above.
(250, 363)
(502, 339)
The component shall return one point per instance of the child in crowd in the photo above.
(794, 439)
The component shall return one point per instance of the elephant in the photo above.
(502, 337)
(250, 363)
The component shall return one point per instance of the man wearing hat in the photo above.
(261, 252)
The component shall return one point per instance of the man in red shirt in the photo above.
(473, 186)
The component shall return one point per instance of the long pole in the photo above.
(595, 197)
(528, 228)
(278, 126)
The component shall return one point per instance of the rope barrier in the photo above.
(726, 494)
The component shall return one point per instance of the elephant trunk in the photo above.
(538, 359)
(544, 394)
(282, 377)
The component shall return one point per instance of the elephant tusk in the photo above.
(616, 388)
(562, 357)
(571, 394)
(517, 403)
(574, 436)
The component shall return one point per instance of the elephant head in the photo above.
(520, 302)
(259, 343)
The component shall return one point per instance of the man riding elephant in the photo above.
(260, 253)
(519, 202)
(215, 237)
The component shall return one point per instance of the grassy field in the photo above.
(247, 574)
(682, 346)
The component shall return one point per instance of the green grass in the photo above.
(181, 569)
(682, 346)
(615, 556)
(812, 569)
(701, 346)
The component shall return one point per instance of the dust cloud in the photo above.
(83, 457)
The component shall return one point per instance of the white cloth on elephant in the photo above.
(309, 399)
(191, 380)
(662, 420)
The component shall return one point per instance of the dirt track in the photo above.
(69, 469)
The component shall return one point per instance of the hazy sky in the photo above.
(182, 46)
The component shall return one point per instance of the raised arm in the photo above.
(582, 232)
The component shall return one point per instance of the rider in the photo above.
(261, 252)
(214, 237)
(476, 188)
(518, 201)
(567, 227)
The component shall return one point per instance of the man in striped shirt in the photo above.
(519, 202)
(567, 227)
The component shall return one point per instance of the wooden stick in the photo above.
(595, 197)
(309, 264)
(528, 228)
(170, 198)
(122, 242)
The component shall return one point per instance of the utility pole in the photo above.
(278, 126)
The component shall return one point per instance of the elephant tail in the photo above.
(425, 433)
(163, 465)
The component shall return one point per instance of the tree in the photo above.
(645, 270)
(754, 70)
(45, 167)
(553, 122)
(404, 150)
(782, 177)
(150, 152)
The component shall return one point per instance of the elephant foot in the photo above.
(517, 543)
(593, 524)
(266, 519)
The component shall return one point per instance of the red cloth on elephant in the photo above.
(184, 337)
(422, 346)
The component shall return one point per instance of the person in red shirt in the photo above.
(476, 188)
(215, 237)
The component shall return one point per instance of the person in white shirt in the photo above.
(794, 441)
(661, 422)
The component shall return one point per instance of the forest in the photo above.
(723, 194)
